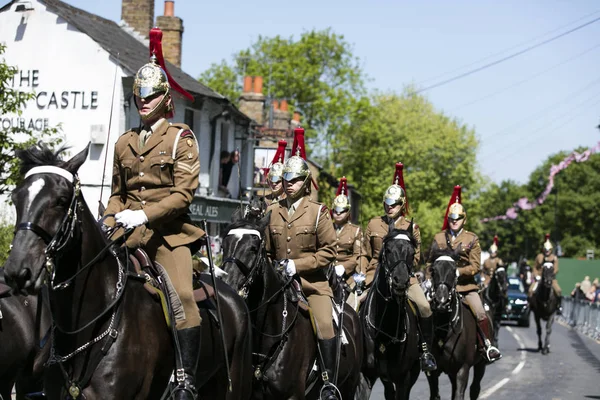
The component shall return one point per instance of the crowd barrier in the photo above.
(583, 316)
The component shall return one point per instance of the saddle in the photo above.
(159, 286)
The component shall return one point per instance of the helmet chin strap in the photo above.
(160, 110)
(300, 193)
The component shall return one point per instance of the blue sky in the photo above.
(554, 101)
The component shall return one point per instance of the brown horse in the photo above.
(455, 331)
(110, 337)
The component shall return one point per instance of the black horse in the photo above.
(390, 321)
(110, 338)
(455, 331)
(284, 343)
(24, 333)
(495, 295)
(543, 304)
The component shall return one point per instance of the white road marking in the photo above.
(487, 393)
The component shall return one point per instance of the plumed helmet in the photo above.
(153, 78)
(341, 201)
(276, 168)
(455, 209)
(494, 246)
(396, 193)
(547, 243)
(296, 166)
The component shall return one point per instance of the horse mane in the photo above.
(436, 252)
(38, 155)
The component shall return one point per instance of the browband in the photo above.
(242, 231)
(402, 236)
(445, 258)
(50, 169)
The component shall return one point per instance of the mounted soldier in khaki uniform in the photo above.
(351, 258)
(547, 257)
(453, 236)
(395, 204)
(302, 240)
(155, 176)
(490, 265)
(274, 176)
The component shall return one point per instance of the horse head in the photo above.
(547, 274)
(47, 202)
(395, 262)
(443, 276)
(244, 246)
(501, 280)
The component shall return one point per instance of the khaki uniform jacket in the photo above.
(160, 179)
(270, 199)
(377, 229)
(351, 251)
(539, 263)
(308, 238)
(489, 267)
(470, 257)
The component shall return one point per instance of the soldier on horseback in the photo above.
(351, 259)
(274, 176)
(301, 239)
(493, 262)
(395, 204)
(547, 257)
(155, 175)
(452, 236)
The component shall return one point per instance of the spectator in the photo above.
(586, 284)
(224, 173)
(592, 294)
(577, 293)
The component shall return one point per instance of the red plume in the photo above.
(455, 198)
(547, 237)
(280, 153)
(399, 180)
(298, 148)
(156, 49)
(342, 187)
(496, 240)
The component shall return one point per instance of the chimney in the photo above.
(138, 14)
(281, 115)
(252, 101)
(172, 28)
(295, 122)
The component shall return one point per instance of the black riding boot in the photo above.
(491, 353)
(559, 305)
(189, 343)
(428, 363)
(329, 353)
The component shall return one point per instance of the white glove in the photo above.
(457, 273)
(289, 267)
(131, 219)
(340, 270)
(360, 277)
(537, 278)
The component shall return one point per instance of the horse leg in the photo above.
(364, 388)
(496, 320)
(434, 385)
(389, 390)
(538, 329)
(478, 372)
(548, 333)
(461, 380)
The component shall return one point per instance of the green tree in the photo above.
(12, 102)
(438, 152)
(317, 74)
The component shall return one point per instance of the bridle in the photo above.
(251, 272)
(451, 289)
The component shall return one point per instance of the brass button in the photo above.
(289, 225)
(289, 251)
(289, 238)
(338, 239)
(141, 174)
(142, 188)
(143, 202)
(142, 158)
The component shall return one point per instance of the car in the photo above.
(517, 308)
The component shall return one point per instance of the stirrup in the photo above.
(329, 392)
(428, 363)
(489, 349)
(183, 385)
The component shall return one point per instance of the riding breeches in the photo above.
(555, 287)
(320, 306)
(474, 301)
(416, 295)
(178, 264)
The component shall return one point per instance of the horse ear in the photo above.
(237, 215)
(457, 251)
(74, 163)
(265, 220)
